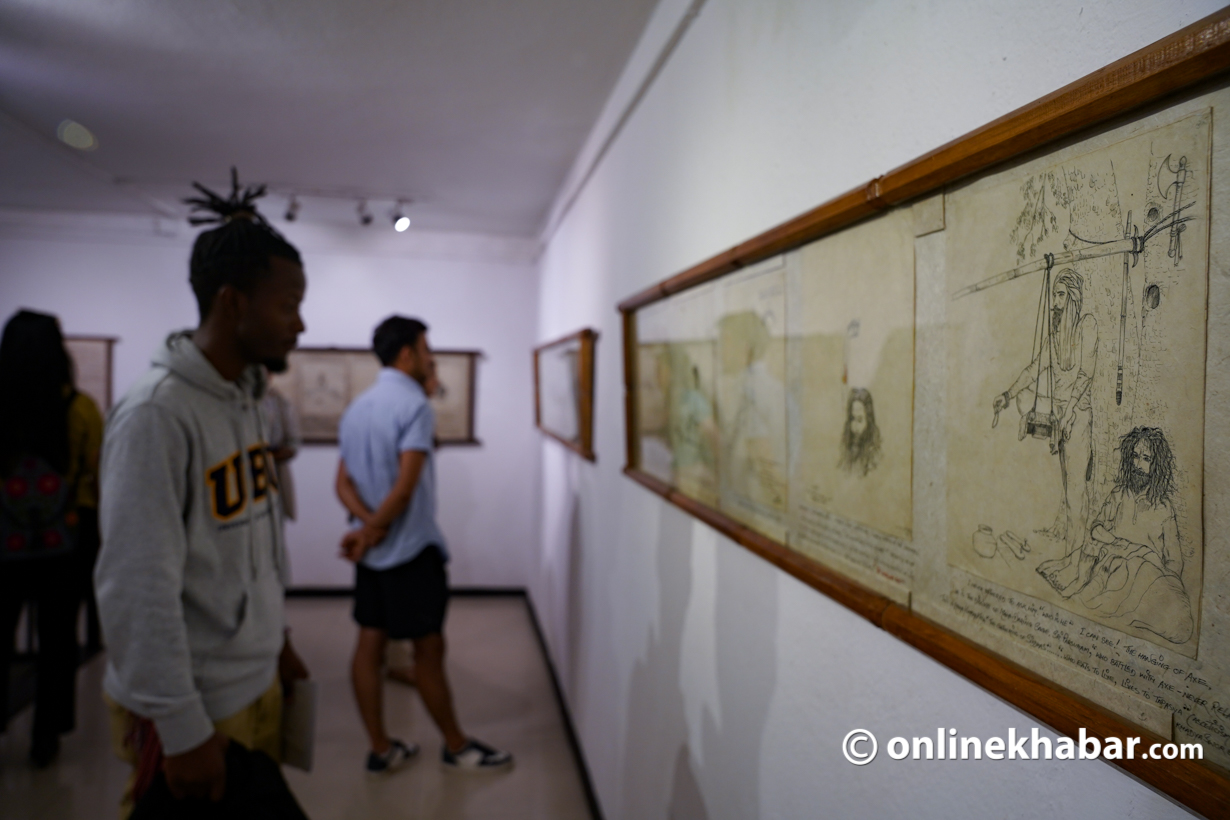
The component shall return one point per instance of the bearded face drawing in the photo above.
(860, 437)
(1131, 565)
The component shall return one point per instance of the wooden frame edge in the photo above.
(589, 343)
(631, 421)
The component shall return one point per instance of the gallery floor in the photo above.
(504, 696)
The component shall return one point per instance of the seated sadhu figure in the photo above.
(1131, 564)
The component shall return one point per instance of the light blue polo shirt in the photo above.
(389, 418)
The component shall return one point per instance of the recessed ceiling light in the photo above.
(76, 135)
(401, 224)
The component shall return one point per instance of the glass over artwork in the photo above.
(320, 384)
(1076, 382)
(91, 359)
(783, 396)
(564, 385)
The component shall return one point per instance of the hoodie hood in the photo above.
(183, 358)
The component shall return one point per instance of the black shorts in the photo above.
(406, 601)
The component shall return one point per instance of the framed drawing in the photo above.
(320, 383)
(967, 400)
(92, 366)
(564, 391)
(453, 401)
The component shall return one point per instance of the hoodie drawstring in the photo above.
(274, 530)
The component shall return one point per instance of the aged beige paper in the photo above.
(320, 384)
(559, 389)
(1075, 361)
(1170, 383)
(677, 407)
(653, 324)
(852, 375)
(751, 397)
(653, 411)
(452, 402)
(850, 358)
(91, 359)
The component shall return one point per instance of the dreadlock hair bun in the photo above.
(237, 252)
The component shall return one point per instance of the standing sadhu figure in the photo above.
(1071, 361)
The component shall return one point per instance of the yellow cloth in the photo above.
(256, 726)
(85, 432)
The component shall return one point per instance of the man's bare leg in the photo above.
(399, 660)
(433, 687)
(368, 685)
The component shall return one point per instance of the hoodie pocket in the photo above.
(217, 623)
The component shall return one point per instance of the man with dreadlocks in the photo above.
(189, 580)
(1131, 565)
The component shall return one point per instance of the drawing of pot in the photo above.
(984, 541)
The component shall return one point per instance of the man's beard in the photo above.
(1138, 481)
(1056, 319)
(276, 365)
(858, 444)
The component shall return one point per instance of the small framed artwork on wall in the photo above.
(320, 384)
(564, 391)
(91, 357)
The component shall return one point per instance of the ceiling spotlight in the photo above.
(292, 208)
(76, 135)
(365, 216)
(400, 220)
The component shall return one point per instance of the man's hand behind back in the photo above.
(199, 772)
(356, 543)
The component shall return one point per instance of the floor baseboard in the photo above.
(591, 796)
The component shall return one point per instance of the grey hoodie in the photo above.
(189, 577)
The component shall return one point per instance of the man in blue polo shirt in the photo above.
(387, 480)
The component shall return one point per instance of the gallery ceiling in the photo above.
(473, 109)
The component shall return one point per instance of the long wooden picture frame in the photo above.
(1180, 67)
(564, 391)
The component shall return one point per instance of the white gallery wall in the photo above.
(703, 682)
(127, 277)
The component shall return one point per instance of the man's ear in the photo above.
(230, 300)
(404, 357)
